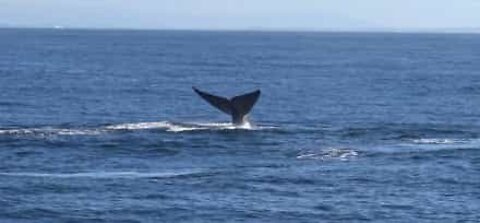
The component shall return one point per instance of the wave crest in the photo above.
(342, 154)
(438, 141)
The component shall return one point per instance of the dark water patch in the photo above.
(139, 147)
(4, 104)
(398, 207)
(405, 132)
(364, 180)
(156, 196)
(471, 89)
(286, 180)
(449, 181)
(24, 153)
(276, 191)
(262, 165)
(43, 186)
(324, 207)
(34, 213)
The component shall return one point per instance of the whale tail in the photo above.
(238, 107)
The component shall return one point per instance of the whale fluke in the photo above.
(238, 107)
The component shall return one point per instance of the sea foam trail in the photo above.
(139, 126)
(49, 131)
(104, 175)
(162, 125)
(427, 145)
(185, 127)
(440, 141)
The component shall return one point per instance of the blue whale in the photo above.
(238, 107)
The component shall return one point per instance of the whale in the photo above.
(237, 107)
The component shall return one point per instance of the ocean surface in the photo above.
(103, 126)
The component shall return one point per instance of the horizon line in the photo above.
(464, 30)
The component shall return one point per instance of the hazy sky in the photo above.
(243, 14)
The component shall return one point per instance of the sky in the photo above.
(244, 14)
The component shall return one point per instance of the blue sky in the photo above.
(243, 14)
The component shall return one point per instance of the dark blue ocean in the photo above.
(103, 126)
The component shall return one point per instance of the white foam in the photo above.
(230, 126)
(77, 131)
(428, 144)
(342, 154)
(49, 131)
(102, 175)
(226, 125)
(169, 126)
(15, 131)
(179, 128)
(166, 125)
(139, 126)
(438, 141)
(208, 126)
(213, 124)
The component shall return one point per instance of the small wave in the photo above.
(342, 154)
(446, 141)
(437, 141)
(428, 145)
(103, 175)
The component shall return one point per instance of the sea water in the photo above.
(103, 126)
